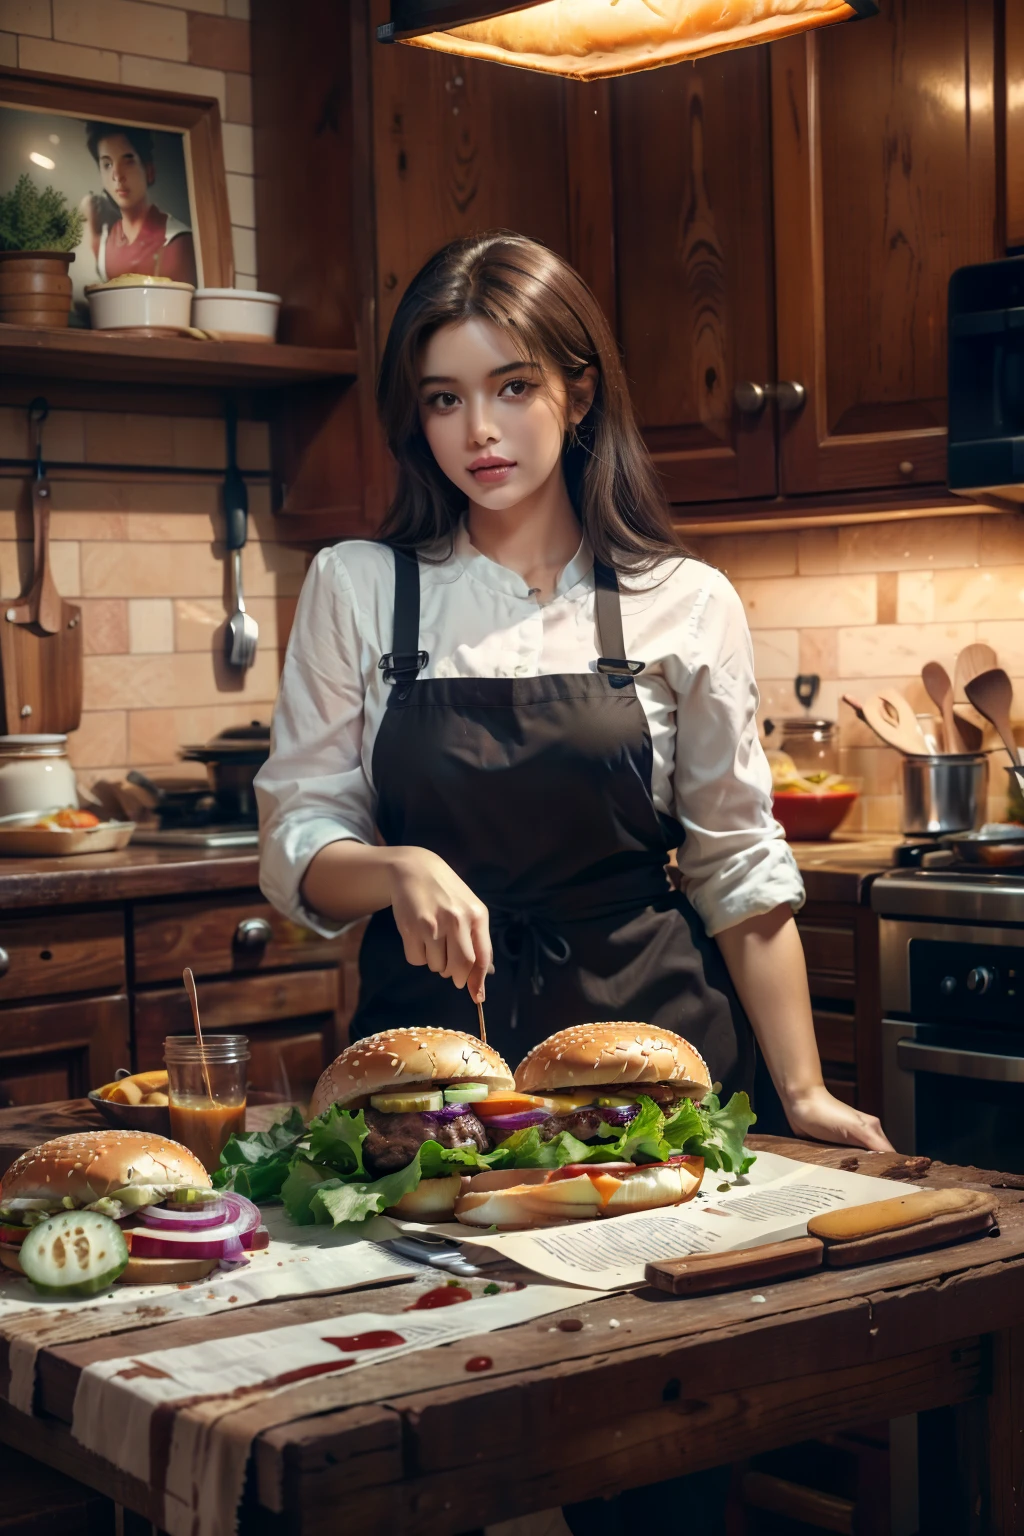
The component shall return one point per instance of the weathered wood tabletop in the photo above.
(649, 1387)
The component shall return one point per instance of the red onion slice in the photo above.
(156, 1243)
(213, 1215)
(506, 1124)
(449, 1112)
(241, 1212)
(234, 1255)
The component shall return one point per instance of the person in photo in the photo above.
(128, 232)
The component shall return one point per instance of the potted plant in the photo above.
(38, 233)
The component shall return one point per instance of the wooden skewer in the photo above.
(483, 1026)
(190, 988)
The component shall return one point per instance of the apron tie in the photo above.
(528, 940)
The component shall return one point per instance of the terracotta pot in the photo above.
(35, 287)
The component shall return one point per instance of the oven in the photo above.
(952, 985)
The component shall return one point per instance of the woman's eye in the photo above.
(516, 387)
(443, 401)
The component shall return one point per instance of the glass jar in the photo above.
(206, 1092)
(35, 775)
(813, 745)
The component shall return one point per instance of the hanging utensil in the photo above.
(892, 718)
(939, 688)
(41, 633)
(991, 693)
(806, 687)
(242, 634)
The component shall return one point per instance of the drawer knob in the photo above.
(5, 961)
(253, 933)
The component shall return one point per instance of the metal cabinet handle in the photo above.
(752, 398)
(985, 1066)
(5, 961)
(253, 933)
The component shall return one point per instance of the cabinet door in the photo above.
(885, 181)
(690, 149)
(460, 147)
(60, 1050)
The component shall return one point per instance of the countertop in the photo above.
(130, 875)
(843, 868)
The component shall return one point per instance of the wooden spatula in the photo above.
(41, 638)
(991, 693)
(891, 716)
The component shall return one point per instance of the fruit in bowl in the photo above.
(809, 806)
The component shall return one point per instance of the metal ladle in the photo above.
(242, 634)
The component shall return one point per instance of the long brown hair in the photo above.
(552, 317)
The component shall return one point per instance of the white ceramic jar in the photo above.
(132, 303)
(35, 775)
(236, 313)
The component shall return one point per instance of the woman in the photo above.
(140, 238)
(534, 696)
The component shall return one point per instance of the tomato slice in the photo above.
(11, 1235)
(505, 1102)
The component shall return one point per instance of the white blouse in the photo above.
(478, 619)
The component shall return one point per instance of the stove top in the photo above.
(963, 894)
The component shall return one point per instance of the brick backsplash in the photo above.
(197, 46)
(868, 605)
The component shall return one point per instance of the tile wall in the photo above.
(870, 604)
(197, 46)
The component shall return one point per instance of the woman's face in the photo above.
(125, 178)
(495, 424)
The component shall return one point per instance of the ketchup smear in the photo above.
(479, 1363)
(440, 1296)
(379, 1338)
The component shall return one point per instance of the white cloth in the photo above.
(478, 619)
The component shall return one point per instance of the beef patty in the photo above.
(585, 1123)
(393, 1140)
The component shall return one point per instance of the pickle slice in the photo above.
(407, 1103)
(466, 1093)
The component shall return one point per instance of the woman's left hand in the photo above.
(819, 1116)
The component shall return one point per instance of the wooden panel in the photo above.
(61, 1050)
(205, 935)
(1013, 99)
(693, 268)
(61, 952)
(460, 147)
(836, 1037)
(829, 948)
(588, 158)
(885, 181)
(290, 1020)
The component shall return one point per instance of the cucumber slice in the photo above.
(407, 1103)
(466, 1093)
(74, 1254)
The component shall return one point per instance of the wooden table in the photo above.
(648, 1388)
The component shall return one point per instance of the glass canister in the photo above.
(206, 1090)
(35, 775)
(813, 745)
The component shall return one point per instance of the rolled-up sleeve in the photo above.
(734, 862)
(313, 790)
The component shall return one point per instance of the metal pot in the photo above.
(944, 793)
(232, 760)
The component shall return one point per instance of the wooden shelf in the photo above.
(92, 356)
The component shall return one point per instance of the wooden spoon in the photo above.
(892, 717)
(190, 987)
(972, 660)
(940, 690)
(991, 693)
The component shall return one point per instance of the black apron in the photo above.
(537, 792)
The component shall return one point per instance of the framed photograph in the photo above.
(145, 168)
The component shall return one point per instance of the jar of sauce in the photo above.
(206, 1091)
(35, 775)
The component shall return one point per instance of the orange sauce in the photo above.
(204, 1126)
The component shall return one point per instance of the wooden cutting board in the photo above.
(41, 644)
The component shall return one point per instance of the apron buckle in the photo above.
(404, 668)
(617, 666)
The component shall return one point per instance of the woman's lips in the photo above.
(492, 473)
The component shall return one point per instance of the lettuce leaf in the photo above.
(722, 1144)
(336, 1138)
(335, 1201)
(256, 1163)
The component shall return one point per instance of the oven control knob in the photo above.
(947, 986)
(981, 979)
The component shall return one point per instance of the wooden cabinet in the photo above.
(60, 1050)
(61, 952)
(691, 175)
(841, 949)
(886, 179)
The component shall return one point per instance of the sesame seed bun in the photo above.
(396, 1058)
(90, 1164)
(600, 1055)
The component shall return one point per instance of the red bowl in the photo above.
(811, 818)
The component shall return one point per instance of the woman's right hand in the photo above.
(442, 924)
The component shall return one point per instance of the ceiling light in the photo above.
(589, 39)
(43, 160)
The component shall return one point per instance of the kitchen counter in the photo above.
(843, 868)
(130, 875)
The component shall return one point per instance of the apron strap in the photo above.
(405, 660)
(608, 610)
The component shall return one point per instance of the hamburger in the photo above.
(83, 1211)
(609, 1118)
(395, 1127)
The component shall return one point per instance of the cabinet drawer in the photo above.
(836, 1036)
(831, 953)
(65, 952)
(221, 936)
(60, 1050)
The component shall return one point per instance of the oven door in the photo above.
(954, 1094)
